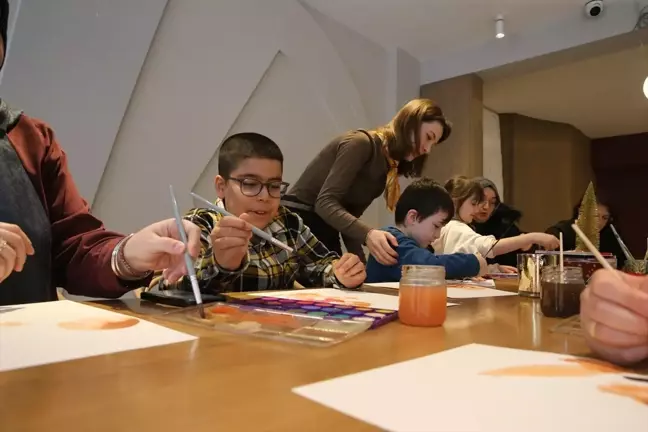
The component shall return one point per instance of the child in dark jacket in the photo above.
(422, 210)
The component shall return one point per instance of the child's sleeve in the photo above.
(460, 238)
(207, 270)
(457, 265)
(315, 259)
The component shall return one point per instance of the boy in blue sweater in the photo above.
(422, 210)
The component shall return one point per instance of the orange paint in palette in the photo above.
(242, 315)
(336, 309)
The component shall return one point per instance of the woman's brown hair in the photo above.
(407, 122)
(461, 189)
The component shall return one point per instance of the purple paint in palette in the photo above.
(322, 309)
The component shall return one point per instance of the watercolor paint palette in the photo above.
(269, 323)
(323, 309)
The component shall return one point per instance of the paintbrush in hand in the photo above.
(501, 237)
(259, 233)
(191, 272)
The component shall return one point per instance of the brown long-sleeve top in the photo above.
(81, 247)
(342, 181)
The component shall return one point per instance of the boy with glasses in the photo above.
(250, 186)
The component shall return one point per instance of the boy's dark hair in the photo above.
(425, 196)
(238, 147)
(461, 189)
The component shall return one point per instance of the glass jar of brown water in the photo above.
(560, 291)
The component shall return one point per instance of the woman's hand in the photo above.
(14, 249)
(381, 244)
(614, 316)
(158, 247)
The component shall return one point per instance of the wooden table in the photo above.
(234, 383)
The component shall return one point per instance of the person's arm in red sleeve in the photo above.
(81, 246)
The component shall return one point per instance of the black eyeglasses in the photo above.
(252, 187)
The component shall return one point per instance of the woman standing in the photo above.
(355, 168)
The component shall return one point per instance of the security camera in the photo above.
(594, 8)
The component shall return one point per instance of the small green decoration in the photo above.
(588, 219)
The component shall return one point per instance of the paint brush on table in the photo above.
(191, 272)
(255, 230)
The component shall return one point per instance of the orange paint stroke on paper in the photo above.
(637, 392)
(99, 323)
(466, 287)
(576, 367)
(10, 323)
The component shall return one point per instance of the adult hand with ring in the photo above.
(15, 246)
(614, 316)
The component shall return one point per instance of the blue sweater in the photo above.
(457, 265)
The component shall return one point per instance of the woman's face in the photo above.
(468, 210)
(603, 216)
(487, 207)
(429, 136)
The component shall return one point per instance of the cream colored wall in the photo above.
(215, 68)
(492, 154)
(462, 153)
(548, 168)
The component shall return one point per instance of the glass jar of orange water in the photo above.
(422, 296)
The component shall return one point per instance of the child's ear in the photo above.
(220, 184)
(412, 217)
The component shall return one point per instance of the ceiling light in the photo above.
(645, 89)
(499, 27)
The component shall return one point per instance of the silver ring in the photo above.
(3, 244)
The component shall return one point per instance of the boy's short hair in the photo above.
(425, 196)
(461, 189)
(238, 147)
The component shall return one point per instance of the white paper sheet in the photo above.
(453, 392)
(42, 333)
(333, 295)
(461, 289)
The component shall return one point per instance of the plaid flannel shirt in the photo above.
(266, 266)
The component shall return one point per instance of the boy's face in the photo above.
(427, 230)
(254, 187)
